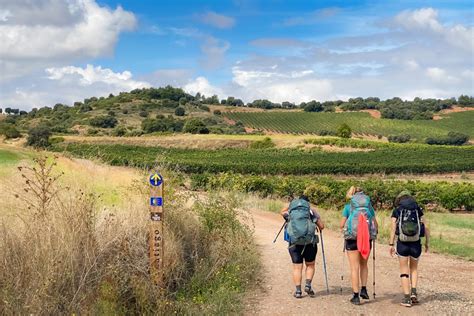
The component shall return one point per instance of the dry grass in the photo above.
(65, 249)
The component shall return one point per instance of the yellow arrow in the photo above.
(155, 177)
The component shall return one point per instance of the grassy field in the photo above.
(451, 234)
(361, 123)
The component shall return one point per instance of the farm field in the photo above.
(360, 123)
(416, 159)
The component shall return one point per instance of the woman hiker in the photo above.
(301, 235)
(359, 226)
(408, 224)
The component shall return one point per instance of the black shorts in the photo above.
(300, 252)
(352, 244)
(409, 249)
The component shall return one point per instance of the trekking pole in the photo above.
(279, 232)
(343, 255)
(324, 262)
(373, 265)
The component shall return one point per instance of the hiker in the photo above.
(359, 226)
(408, 225)
(302, 240)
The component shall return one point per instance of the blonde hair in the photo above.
(352, 190)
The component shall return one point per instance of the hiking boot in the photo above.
(364, 294)
(355, 300)
(298, 294)
(309, 291)
(406, 302)
(414, 298)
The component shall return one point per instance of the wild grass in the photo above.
(64, 251)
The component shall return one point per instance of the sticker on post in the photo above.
(156, 201)
(155, 216)
(156, 179)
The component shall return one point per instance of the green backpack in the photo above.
(301, 227)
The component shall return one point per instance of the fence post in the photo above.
(156, 242)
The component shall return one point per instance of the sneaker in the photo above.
(309, 291)
(355, 300)
(414, 298)
(298, 294)
(364, 294)
(406, 302)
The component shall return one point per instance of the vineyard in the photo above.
(360, 123)
(391, 159)
(329, 193)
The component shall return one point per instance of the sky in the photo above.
(61, 51)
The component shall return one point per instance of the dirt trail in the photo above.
(446, 285)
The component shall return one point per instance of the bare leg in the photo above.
(309, 270)
(297, 269)
(354, 260)
(404, 269)
(364, 271)
(413, 272)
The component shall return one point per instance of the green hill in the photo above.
(361, 123)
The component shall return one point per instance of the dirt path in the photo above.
(446, 285)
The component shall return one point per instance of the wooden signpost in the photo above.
(156, 245)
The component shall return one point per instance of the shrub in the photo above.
(262, 144)
(453, 138)
(119, 131)
(195, 126)
(124, 111)
(404, 138)
(179, 111)
(217, 112)
(103, 121)
(111, 113)
(143, 113)
(39, 136)
(9, 131)
(344, 131)
(317, 193)
(204, 108)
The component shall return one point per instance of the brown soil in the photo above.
(445, 283)
(454, 109)
(374, 113)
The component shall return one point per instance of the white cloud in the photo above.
(95, 34)
(45, 33)
(217, 20)
(67, 85)
(214, 52)
(91, 75)
(295, 86)
(202, 85)
(425, 20)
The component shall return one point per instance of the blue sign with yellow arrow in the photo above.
(156, 179)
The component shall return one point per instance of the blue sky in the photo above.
(62, 51)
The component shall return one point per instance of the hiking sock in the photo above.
(355, 295)
(308, 283)
(363, 293)
(413, 291)
(298, 288)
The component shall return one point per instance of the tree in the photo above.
(1, 111)
(103, 121)
(179, 111)
(38, 136)
(195, 126)
(8, 110)
(9, 130)
(344, 131)
(313, 106)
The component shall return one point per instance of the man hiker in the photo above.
(302, 240)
